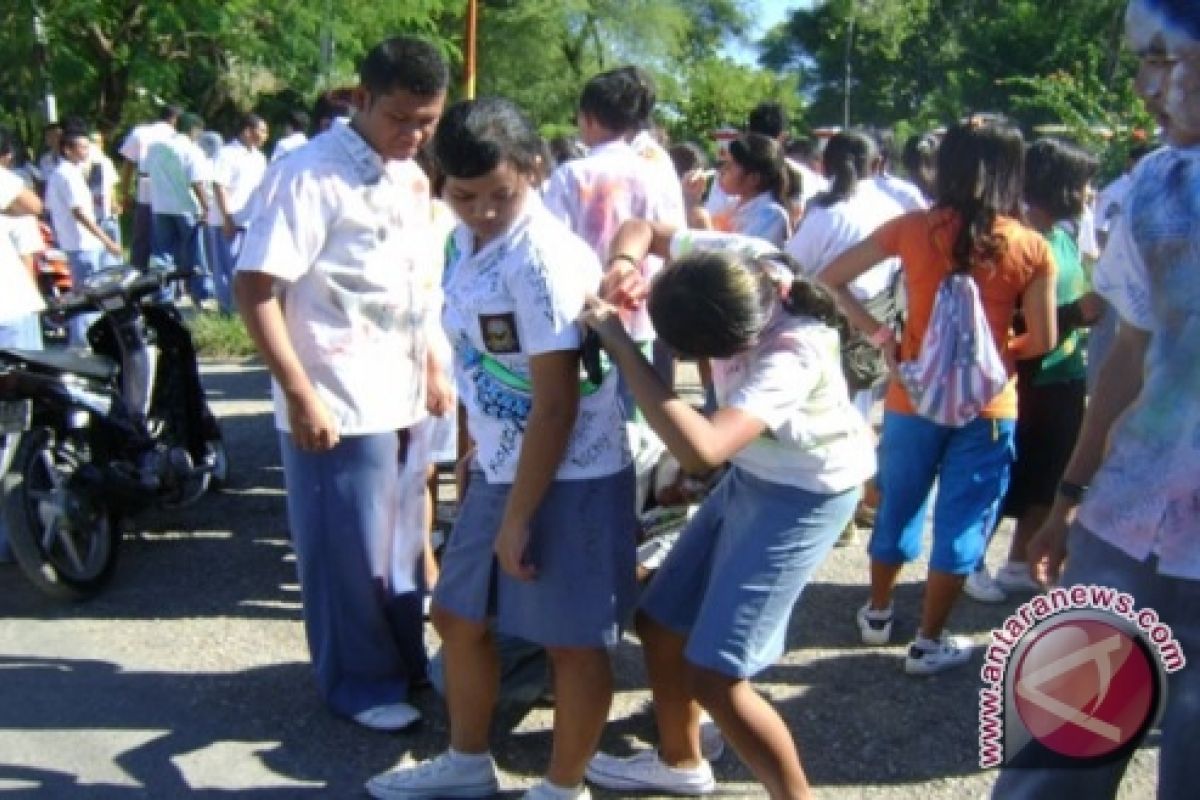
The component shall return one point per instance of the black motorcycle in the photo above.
(96, 437)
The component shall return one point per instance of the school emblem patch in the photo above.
(500, 333)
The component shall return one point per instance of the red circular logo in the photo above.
(1084, 688)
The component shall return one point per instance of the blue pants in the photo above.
(142, 235)
(83, 263)
(24, 333)
(112, 227)
(178, 242)
(971, 466)
(1177, 601)
(366, 641)
(221, 262)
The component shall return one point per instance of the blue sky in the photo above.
(767, 13)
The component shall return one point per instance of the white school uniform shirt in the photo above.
(67, 190)
(345, 234)
(792, 380)
(812, 183)
(903, 192)
(102, 180)
(517, 297)
(828, 231)
(595, 194)
(173, 166)
(287, 144)
(762, 218)
(240, 170)
(20, 297)
(137, 145)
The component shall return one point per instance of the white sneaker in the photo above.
(980, 586)
(950, 651)
(544, 792)
(1014, 576)
(393, 717)
(448, 775)
(712, 743)
(874, 626)
(647, 772)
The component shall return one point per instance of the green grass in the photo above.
(220, 336)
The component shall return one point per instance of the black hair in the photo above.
(618, 99)
(1056, 178)
(715, 304)
(919, 159)
(475, 136)
(979, 176)
(328, 107)
(189, 122)
(686, 157)
(404, 62)
(73, 129)
(429, 165)
(51, 126)
(762, 156)
(643, 91)
(248, 120)
(1138, 152)
(169, 113)
(564, 148)
(297, 119)
(846, 160)
(885, 146)
(767, 118)
(8, 143)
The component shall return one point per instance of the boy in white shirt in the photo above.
(330, 282)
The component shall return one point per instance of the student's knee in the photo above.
(569, 660)
(893, 549)
(957, 555)
(709, 687)
(454, 629)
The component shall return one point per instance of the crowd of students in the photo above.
(810, 284)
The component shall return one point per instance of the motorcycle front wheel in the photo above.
(63, 535)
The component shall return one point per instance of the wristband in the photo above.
(882, 335)
(1069, 490)
(633, 262)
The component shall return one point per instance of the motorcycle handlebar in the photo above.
(78, 302)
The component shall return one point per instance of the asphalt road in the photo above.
(188, 676)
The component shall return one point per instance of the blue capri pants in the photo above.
(971, 467)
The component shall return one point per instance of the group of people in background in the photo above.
(811, 284)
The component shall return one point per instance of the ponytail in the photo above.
(847, 160)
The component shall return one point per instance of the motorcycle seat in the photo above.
(97, 367)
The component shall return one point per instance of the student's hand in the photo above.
(1091, 308)
(1047, 550)
(439, 395)
(313, 427)
(604, 319)
(229, 228)
(694, 184)
(624, 285)
(114, 249)
(512, 542)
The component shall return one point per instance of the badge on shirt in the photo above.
(500, 333)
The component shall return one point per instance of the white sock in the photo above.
(554, 790)
(927, 644)
(879, 613)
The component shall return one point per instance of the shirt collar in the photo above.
(615, 144)
(368, 165)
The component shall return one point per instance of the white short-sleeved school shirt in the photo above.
(346, 235)
(792, 380)
(762, 218)
(595, 194)
(137, 145)
(828, 231)
(517, 297)
(173, 166)
(240, 170)
(20, 297)
(905, 193)
(67, 190)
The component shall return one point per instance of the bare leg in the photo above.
(582, 695)
(430, 562)
(883, 583)
(676, 714)
(472, 679)
(755, 730)
(941, 590)
(1027, 526)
